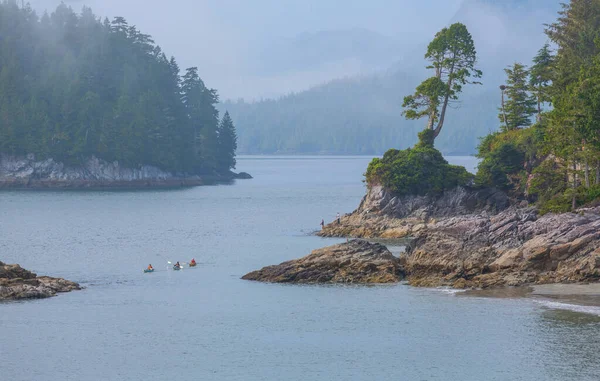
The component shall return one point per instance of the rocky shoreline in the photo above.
(27, 172)
(476, 239)
(17, 283)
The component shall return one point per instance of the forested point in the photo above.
(547, 150)
(73, 86)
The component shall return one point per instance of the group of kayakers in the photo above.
(176, 266)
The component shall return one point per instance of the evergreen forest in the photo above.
(73, 86)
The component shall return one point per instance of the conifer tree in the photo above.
(519, 107)
(540, 78)
(227, 143)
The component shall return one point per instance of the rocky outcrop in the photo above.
(473, 238)
(29, 172)
(514, 247)
(356, 261)
(384, 215)
(18, 283)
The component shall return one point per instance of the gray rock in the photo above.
(356, 261)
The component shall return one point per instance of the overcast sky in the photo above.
(222, 37)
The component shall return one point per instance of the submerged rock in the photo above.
(242, 176)
(18, 283)
(356, 261)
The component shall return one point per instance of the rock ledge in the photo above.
(356, 261)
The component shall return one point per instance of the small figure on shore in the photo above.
(322, 224)
(338, 218)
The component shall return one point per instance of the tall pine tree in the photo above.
(227, 143)
(519, 107)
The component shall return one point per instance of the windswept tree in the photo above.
(519, 106)
(540, 78)
(452, 57)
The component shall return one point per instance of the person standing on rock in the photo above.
(322, 224)
(338, 218)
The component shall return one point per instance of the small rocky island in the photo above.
(356, 261)
(17, 283)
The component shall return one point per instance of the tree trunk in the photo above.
(504, 111)
(587, 173)
(574, 198)
(597, 180)
(539, 114)
(438, 129)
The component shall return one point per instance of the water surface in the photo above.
(207, 324)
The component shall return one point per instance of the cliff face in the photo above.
(384, 215)
(474, 238)
(28, 172)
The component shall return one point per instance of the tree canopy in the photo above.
(452, 56)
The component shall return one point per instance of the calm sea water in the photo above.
(207, 324)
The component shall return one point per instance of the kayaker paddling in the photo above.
(192, 262)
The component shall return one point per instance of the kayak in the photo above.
(176, 267)
(193, 264)
(149, 270)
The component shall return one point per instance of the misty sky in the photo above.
(224, 37)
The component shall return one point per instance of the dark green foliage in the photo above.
(548, 181)
(499, 165)
(421, 170)
(509, 157)
(516, 111)
(72, 87)
(227, 142)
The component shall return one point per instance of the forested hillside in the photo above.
(73, 86)
(356, 116)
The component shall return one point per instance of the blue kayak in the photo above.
(149, 271)
(176, 267)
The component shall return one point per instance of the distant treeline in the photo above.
(357, 116)
(73, 86)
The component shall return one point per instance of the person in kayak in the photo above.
(193, 262)
(150, 268)
(177, 264)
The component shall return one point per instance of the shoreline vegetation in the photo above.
(530, 215)
(91, 102)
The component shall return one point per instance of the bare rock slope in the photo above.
(356, 261)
